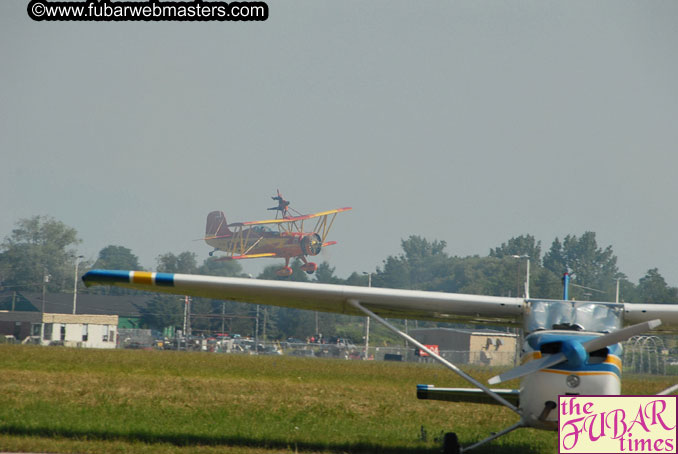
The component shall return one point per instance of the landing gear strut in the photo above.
(285, 271)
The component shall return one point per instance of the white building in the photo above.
(90, 331)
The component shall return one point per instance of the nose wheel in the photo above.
(451, 444)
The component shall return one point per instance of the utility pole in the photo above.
(256, 333)
(187, 318)
(75, 282)
(367, 321)
(263, 329)
(223, 316)
(316, 323)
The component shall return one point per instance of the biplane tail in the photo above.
(216, 225)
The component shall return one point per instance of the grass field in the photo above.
(93, 401)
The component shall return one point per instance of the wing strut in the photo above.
(439, 358)
(494, 436)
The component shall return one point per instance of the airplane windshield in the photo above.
(574, 315)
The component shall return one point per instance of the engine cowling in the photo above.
(311, 244)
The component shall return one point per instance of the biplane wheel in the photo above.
(284, 272)
(309, 267)
(451, 444)
(211, 253)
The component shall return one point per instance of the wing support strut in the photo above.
(494, 436)
(356, 304)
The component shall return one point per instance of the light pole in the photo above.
(367, 321)
(527, 273)
(45, 280)
(75, 282)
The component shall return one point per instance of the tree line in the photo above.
(43, 251)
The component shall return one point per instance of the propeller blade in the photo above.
(621, 335)
(589, 346)
(528, 368)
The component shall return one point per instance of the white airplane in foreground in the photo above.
(570, 348)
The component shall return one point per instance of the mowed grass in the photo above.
(92, 401)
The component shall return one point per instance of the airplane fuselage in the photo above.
(256, 241)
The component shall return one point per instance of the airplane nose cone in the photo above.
(574, 352)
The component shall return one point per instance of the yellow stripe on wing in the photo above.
(142, 277)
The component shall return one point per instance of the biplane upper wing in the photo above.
(392, 303)
(291, 219)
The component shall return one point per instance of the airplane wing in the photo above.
(291, 219)
(638, 313)
(392, 303)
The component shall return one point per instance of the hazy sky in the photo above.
(464, 121)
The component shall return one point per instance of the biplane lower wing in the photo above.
(392, 303)
(248, 256)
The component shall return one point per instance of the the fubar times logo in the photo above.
(617, 424)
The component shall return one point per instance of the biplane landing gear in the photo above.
(285, 271)
(451, 444)
(309, 267)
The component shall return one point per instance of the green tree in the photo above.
(213, 266)
(652, 288)
(117, 258)
(163, 311)
(521, 245)
(589, 265)
(420, 263)
(357, 279)
(325, 274)
(39, 246)
(183, 263)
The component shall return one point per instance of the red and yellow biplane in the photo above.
(282, 237)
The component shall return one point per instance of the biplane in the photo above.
(569, 348)
(282, 237)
